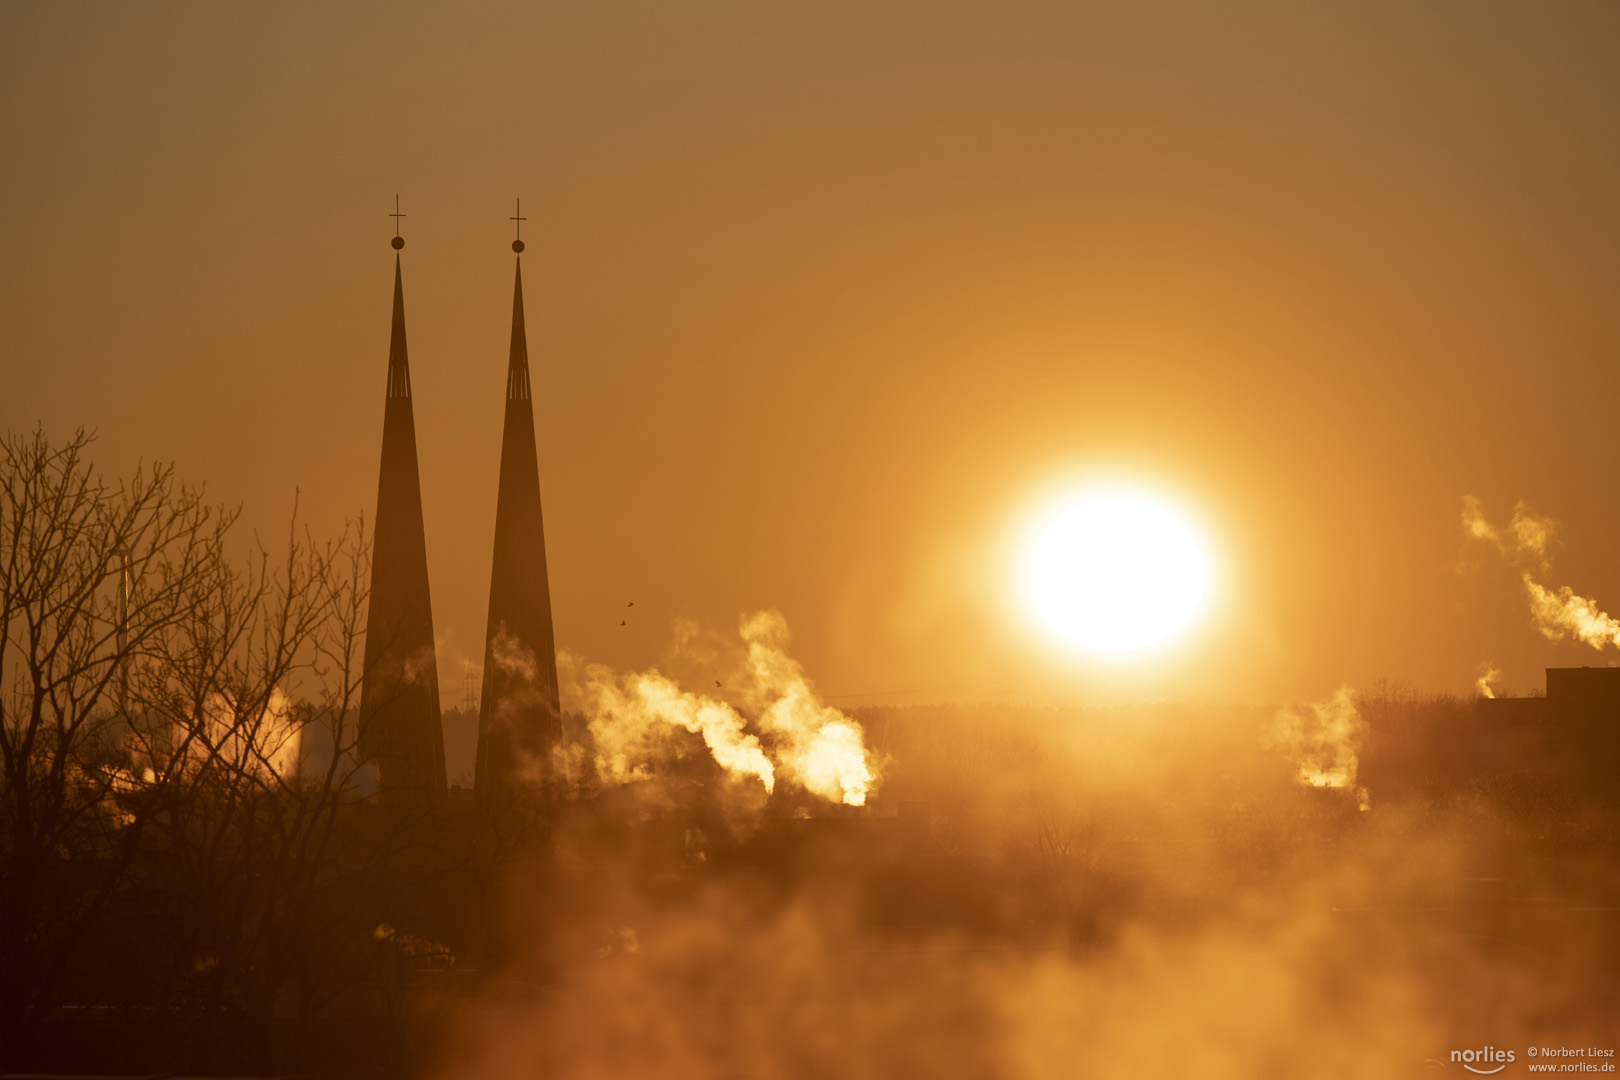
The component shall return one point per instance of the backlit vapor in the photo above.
(1323, 741)
(1558, 614)
(1527, 538)
(265, 745)
(1562, 614)
(629, 714)
(1295, 937)
(820, 745)
(630, 717)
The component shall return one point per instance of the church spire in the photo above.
(519, 718)
(399, 366)
(400, 729)
(517, 368)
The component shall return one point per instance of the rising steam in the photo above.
(264, 744)
(627, 713)
(820, 746)
(513, 657)
(812, 744)
(1562, 614)
(1485, 685)
(1558, 613)
(1324, 742)
(1526, 539)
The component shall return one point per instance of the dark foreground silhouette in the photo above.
(1032, 892)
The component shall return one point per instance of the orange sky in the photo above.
(825, 300)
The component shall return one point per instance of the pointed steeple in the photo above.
(517, 366)
(400, 728)
(519, 718)
(399, 366)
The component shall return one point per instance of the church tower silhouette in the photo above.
(519, 718)
(400, 728)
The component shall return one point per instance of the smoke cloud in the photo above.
(512, 656)
(773, 724)
(1527, 540)
(265, 745)
(1323, 741)
(1166, 902)
(1562, 614)
(419, 665)
(1485, 685)
(820, 746)
(1558, 614)
(627, 715)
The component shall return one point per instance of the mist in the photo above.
(1160, 889)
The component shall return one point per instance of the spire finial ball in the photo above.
(398, 242)
(517, 246)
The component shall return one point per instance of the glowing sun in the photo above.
(1117, 573)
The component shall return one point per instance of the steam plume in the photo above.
(1526, 539)
(1486, 683)
(1475, 525)
(1562, 614)
(813, 744)
(265, 746)
(820, 745)
(1324, 742)
(627, 712)
(512, 656)
(1557, 613)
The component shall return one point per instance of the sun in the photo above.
(1117, 573)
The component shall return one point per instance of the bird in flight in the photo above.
(718, 683)
(621, 622)
(631, 604)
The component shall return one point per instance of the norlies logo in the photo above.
(1486, 1056)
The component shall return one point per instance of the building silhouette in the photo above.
(519, 719)
(1571, 732)
(400, 727)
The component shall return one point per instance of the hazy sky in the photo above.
(827, 302)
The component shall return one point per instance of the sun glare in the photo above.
(1116, 573)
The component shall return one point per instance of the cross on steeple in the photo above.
(399, 241)
(517, 244)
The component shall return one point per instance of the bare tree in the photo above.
(181, 790)
(249, 816)
(67, 635)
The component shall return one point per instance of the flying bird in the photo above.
(621, 622)
(717, 682)
(631, 604)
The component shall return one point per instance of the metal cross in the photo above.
(396, 215)
(519, 219)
